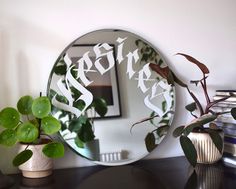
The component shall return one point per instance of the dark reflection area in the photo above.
(205, 177)
(122, 177)
(5, 181)
(214, 176)
(42, 183)
(170, 173)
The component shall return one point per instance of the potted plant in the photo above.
(201, 140)
(31, 125)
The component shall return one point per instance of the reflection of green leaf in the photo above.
(192, 181)
(79, 104)
(165, 121)
(150, 142)
(161, 131)
(100, 106)
(76, 124)
(151, 115)
(85, 133)
(164, 106)
(60, 69)
(79, 143)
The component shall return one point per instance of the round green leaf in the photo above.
(24, 105)
(54, 150)
(22, 157)
(41, 107)
(9, 118)
(8, 137)
(50, 125)
(27, 132)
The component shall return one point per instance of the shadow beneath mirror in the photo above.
(122, 177)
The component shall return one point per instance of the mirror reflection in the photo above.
(113, 108)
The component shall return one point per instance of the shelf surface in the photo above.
(168, 173)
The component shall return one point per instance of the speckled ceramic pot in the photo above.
(207, 152)
(38, 165)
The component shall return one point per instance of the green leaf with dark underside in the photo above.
(27, 132)
(217, 139)
(54, 150)
(22, 157)
(178, 131)
(8, 137)
(41, 107)
(100, 106)
(50, 125)
(9, 118)
(150, 142)
(191, 107)
(24, 105)
(189, 150)
(233, 112)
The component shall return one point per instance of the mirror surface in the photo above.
(113, 108)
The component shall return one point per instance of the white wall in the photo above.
(33, 34)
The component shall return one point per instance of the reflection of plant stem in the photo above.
(147, 119)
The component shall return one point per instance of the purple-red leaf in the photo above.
(163, 72)
(202, 66)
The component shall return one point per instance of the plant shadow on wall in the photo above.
(31, 125)
(203, 122)
(82, 126)
(160, 120)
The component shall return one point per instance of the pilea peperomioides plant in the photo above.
(203, 115)
(30, 124)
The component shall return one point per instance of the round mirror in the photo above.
(114, 109)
